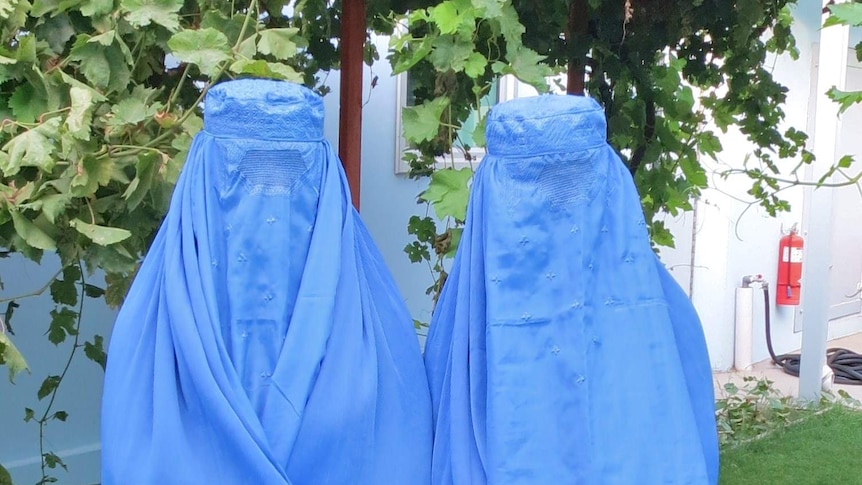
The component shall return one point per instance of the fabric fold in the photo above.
(263, 341)
(561, 350)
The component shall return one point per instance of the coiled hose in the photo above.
(845, 364)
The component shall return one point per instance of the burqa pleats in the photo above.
(263, 341)
(561, 350)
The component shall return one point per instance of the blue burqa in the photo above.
(263, 341)
(561, 351)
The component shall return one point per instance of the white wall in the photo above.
(77, 440)
(735, 239)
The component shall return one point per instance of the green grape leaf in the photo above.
(526, 65)
(661, 235)
(490, 8)
(32, 148)
(50, 205)
(64, 292)
(417, 252)
(845, 99)
(31, 234)
(95, 351)
(26, 104)
(95, 8)
(423, 228)
(6, 8)
(117, 287)
(141, 13)
(709, 144)
(229, 26)
(101, 235)
(92, 60)
(48, 385)
(448, 192)
(55, 30)
(510, 28)
(848, 13)
(475, 64)
(105, 38)
(479, 132)
(7, 315)
(456, 233)
(92, 173)
(278, 42)
(248, 47)
(446, 16)
(131, 111)
(404, 61)
(11, 357)
(421, 123)
(207, 48)
(62, 325)
(52, 460)
(93, 291)
(261, 68)
(283, 71)
(450, 52)
(80, 116)
(146, 169)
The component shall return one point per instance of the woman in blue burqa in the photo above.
(263, 341)
(561, 351)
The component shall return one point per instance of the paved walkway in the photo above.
(783, 382)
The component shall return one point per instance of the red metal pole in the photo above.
(350, 126)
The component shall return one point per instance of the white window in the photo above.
(505, 89)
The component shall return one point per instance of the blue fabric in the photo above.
(263, 341)
(561, 351)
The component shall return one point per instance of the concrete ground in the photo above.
(783, 382)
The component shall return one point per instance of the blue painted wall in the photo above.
(76, 440)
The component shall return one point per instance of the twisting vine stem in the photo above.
(49, 459)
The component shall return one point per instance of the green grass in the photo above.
(822, 449)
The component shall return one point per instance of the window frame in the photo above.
(508, 88)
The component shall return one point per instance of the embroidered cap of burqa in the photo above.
(561, 350)
(263, 341)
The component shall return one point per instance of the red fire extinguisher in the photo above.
(789, 268)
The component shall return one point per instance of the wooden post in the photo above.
(576, 29)
(352, 45)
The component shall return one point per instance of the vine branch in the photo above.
(36, 292)
(43, 421)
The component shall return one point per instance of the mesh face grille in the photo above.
(567, 182)
(271, 172)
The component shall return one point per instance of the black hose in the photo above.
(845, 364)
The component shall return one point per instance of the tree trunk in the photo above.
(577, 29)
